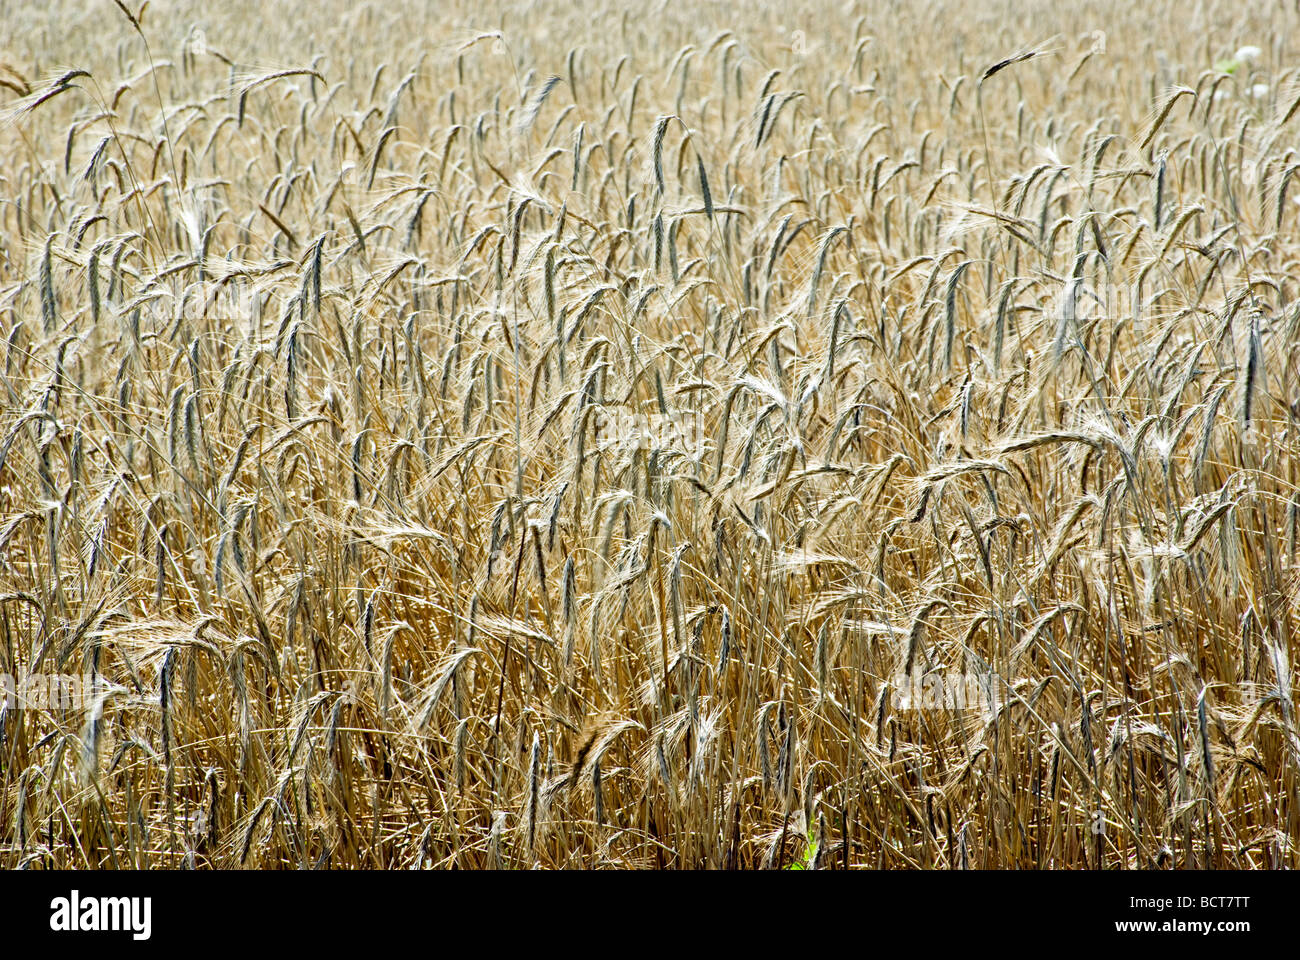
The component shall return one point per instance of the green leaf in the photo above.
(808, 854)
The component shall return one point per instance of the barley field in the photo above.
(713, 435)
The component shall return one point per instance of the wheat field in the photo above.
(468, 435)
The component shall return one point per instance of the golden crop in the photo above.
(679, 435)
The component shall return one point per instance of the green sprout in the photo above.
(809, 853)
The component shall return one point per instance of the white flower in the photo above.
(1248, 53)
(1259, 91)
